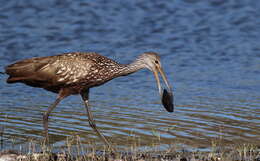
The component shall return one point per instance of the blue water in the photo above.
(209, 50)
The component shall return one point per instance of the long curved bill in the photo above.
(166, 95)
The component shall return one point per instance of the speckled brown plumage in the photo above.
(76, 71)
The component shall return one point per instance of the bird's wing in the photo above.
(50, 71)
(71, 69)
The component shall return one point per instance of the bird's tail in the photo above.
(19, 71)
(24, 69)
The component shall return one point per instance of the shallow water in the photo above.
(209, 50)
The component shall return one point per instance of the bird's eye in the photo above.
(156, 61)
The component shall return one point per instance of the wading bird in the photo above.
(75, 73)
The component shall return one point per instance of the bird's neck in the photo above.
(132, 67)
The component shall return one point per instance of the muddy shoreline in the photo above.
(228, 155)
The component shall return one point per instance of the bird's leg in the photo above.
(62, 94)
(46, 117)
(91, 121)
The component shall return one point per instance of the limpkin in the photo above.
(75, 73)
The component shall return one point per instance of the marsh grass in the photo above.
(1, 137)
(75, 150)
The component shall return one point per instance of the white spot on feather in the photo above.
(59, 72)
(61, 79)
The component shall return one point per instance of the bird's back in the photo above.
(69, 70)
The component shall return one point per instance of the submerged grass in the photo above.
(75, 150)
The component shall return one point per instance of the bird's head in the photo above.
(151, 60)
